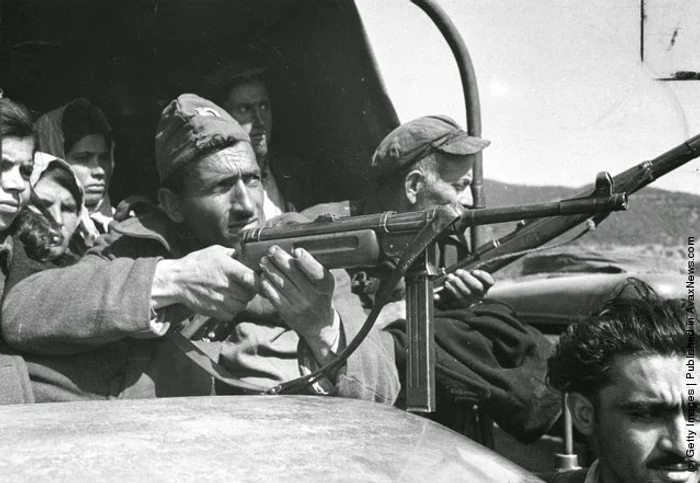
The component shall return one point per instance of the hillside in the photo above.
(655, 217)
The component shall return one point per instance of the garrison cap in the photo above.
(189, 128)
(412, 141)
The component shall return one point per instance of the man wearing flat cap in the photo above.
(423, 163)
(485, 357)
(109, 313)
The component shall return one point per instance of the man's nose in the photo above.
(96, 168)
(242, 199)
(466, 199)
(259, 117)
(673, 437)
(13, 181)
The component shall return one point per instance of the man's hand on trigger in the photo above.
(209, 282)
(463, 289)
(301, 289)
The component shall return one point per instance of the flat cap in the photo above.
(414, 140)
(189, 128)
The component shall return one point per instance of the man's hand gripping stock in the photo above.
(212, 282)
(301, 290)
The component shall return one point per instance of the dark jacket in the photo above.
(15, 387)
(85, 330)
(294, 179)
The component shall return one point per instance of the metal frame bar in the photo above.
(471, 97)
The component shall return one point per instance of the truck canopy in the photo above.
(132, 57)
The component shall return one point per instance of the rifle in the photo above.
(408, 241)
(369, 240)
(496, 254)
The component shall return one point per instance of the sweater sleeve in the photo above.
(370, 372)
(101, 299)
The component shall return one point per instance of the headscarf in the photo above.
(50, 132)
(86, 227)
(49, 128)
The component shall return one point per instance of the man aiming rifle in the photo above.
(96, 329)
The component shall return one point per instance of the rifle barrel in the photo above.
(488, 216)
(412, 222)
(493, 255)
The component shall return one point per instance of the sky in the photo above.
(564, 93)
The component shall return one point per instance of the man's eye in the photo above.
(264, 106)
(225, 184)
(69, 209)
(252, 180)
(243, 110)
(643, 416)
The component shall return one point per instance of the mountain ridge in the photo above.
(655, 216)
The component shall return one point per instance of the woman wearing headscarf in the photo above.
(80, 134)
(53, 230)
(59, 200)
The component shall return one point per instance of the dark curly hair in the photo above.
(80, 119)
(15, 120)
(634, 320)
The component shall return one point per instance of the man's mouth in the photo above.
(9, 206)
(675, 472)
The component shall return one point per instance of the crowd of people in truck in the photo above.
(96, 297)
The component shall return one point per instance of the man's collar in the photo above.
(154, 225)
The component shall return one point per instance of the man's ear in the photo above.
(170, 203)
(582, 412)
(413, 183)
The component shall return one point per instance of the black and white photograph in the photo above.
(349, 241)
